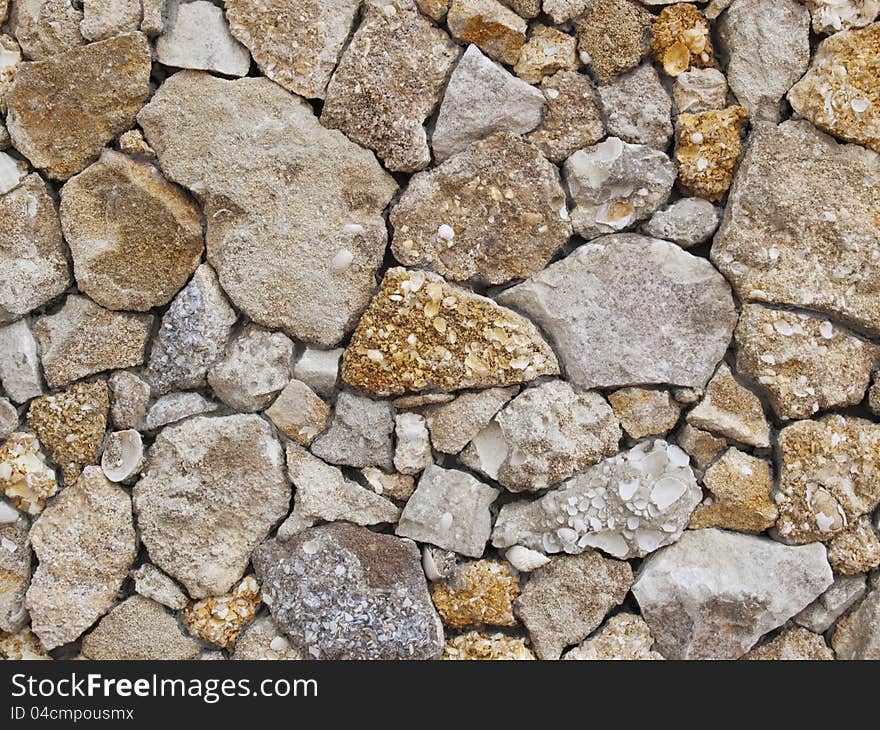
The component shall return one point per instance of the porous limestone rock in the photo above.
(707, 148)
(506, 226)
(680, 39)
(10, 60)
(856, 549)
(104, 19)
(82, 339)
(613, 37)
(821, 614)
(20, 362)
(319, 369)
(305, 262)
(388, 82)
(543, 436)
(713, 594)
(8, 418)
(135, 237)
(453, 425)
(873, 391)
(62, 111)
(792, 644)
(857, 636)
(547, 51)
(15, 574)
(440, 336)
(435, 9)
(623, 637)
(153, 22)
(732, 410)
(213, 489)
(831, 16)
(699, 89)
(688, 222)
(478, 592)
(25, 478)
(628, 310)
(449, 509)
(22, 646)
(615, 185)
(561, 11)
(524, 8)
(564, 601)
(262, 640)
(394, 485)
(45, 28)
(298, 413)
(644, 412)
(152, 583)
(482, 98)
(123, 456)
(328, 584)
(84, 543)
(627, 506)
(499, 32)
(219, 620)
(474, 646)
(412, 451)
(638, 108)
(129, 396)
(175, 407)
(133, 143)
(796, 196)
(359, 433)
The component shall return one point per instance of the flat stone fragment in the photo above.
(139, 629)
(796, 196)
(262, 640)
(84, 543)
(680, 38)
(195, 35)
(453, 425)
(821, 614)
(564, 601)
(707, 148)
(499, 32)
(713, 594)
(25, 478)
(613, 37)
(319, 369)
(856, 549)
(62, 111)
(219, 619)
(139, 256)
(213, 489)
(547, 51)
(839, 94)
(474, 646)
(449, 509)
(506, 226)
(831, 16)
(543, 436)
(627, 506)
(343, 592)
(82, 339)
(792, 644)
(699, 90)
(298, 413)
(192, 334)
(440, 336)
(45, 28)
(412, 402)
(479, 592)
(33, 265)
(152, 583)
(688, 222)
(628, 310)
(20, 362)
(298, 55)
(104, 19)
(740, 487)
(828, 476)
(561, 11)
(412, 450)
(615, 185)
(767, 44)
(572, 118)
(637, 108)
(388, 82)
(307, 263)
(644, 412)
(70, 425)
(174, 407)
(15, 574)
(129, 396)
(805, 364)
(623, 637)
(857, 636)
(359, 433)
(394, 485)
(482, 98)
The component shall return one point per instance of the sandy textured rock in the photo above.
(567, 599)
(412, 450)
(388, 82)
(133, 143)
(306, 262)
(449, 509)
(219, 620)
(33, 266)
(453, 425)
(129, 396)
(213, 489)
(699, 89)
(139, 628)
(298, 413)
(63, 110)
(797, 195)
(857, 636)
(262, 640)
(707, 148)
(441, 336)
(152, 583)
(792, 644)
(141, 254)
(624, 637)
(525, 8)
(561, 11)
(506, 226)
(343, 592)
(615, 184)
(830, 16)
(82, 339)
(613, 37)
(20, 362)
(856, 549)
(480, 592)
(319, 369)
(25, 478)
(8, 418)
(421, 400)
(627, 506)
(104, 19)
(680, 39)
(359, 433)
(175, 407)
(45, 28)
(547, 51)
(643, 412)
(499, 32)
(832, 604)
(638, 108)
(715, 593)
(629, 310)
(84, 542)
(153, 22)
(393, 485)
(15, 574)
(688, 222)
(474, 646)
(482, 98)
(873, 393)
(435, 9)
(543, 436)
(767, 47)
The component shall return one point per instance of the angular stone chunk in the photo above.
(129, 396)
(298, 413)
(562, 11)
(499, 32)
(62, 111)
(388, 82)
(688, 222)
(82, 339)
(45, 28)
(643, 412)
(15, 574)
(564, 601)
(359, 433)
(543, 436)
(84, 542)
(435, 9)
(482, 98)
(325, 585)
(25, 478)
(152, 583)
(627, 506)
(394, 485)
(832, 604)
(19, 362)
(307, 263)
(412, 451)
(713, 594)
(440, 336)
(175, 407)
(218, 620)
(707, 148)
(8, 418)
(700, 89)
(474, 646)
(613, 37)
(107, 18)
(547, 51)
(839, 93)
(637, 108)
(298, 55)
(615, 185)
(680, 38)
(319, 369)
(857, 636)
(856, 549)
(153, 22)
(262, 640)
(629, 310)
(525, 8)
(453, 425)
(796, 197)
(449, 509)
(792, 644)
(623, 637)
(213, 489)
(478, 592)
(506, 226)
(830, 16)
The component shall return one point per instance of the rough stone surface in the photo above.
(25, 478)
(435, 9)
(10, 60)
(688, 222)
(821, 614)
(319, 369)
(175, 407)
(707, 150)
(23, 645)
(129, 396)
(359, 433)
(453, 425)
(792, 644)
(394, 485)
(412, 452)
(474, 646)
(856, 549)
(561, 11)
(499, 32)
(638, 108)
(629, 310)
(153, 22)
(644, 412)
(699, 89)
(715, 593)
(45, 28)
(480, 592)
(219, 620)
(19, 362)
(680, 38)
(857, 636)
(8, 418)
(298, 413)
(15, 574)
(262, 640)
(547, 51)
(624, 637)
(830, 16)
(613, 37)
(152, 583)
(104, 19)
(213, 489)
